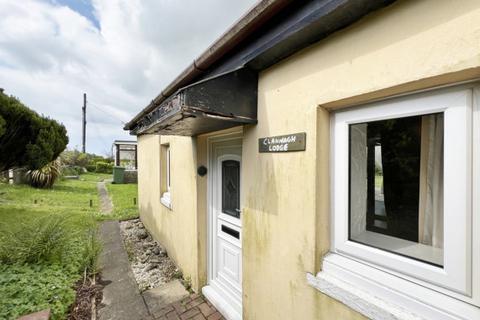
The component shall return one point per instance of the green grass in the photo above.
(95, 176)
(36, 276)
(378, 181)
(122, 196)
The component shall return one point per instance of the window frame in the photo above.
(165, 182)
(359, 262)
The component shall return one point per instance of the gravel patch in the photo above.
(150, 263)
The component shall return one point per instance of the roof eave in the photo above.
(248, 23)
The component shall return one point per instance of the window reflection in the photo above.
(396, 186)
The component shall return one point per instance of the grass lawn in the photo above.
(378, 181)
(46, 241)
(124, 198)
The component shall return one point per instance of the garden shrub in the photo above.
(2, 126)
(69, 171)
(28, 139)
(80, 159)
(103, 167)
(91, 167)
(72, 170)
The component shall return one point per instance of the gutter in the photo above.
(245, 26)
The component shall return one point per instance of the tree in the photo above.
(2, 126)
(29, 140)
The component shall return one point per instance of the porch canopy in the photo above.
(220, 102)
(218, 90)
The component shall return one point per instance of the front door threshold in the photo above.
(222, 305)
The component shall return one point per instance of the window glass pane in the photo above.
(168, 169)
(231, 188)
(396, 186)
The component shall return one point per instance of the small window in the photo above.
(396, 186)
(165, 175)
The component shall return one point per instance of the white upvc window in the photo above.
(405, 214)
(165, 176)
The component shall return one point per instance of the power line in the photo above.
(94, 123)
(106, 112)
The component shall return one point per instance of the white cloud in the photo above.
(50, 55)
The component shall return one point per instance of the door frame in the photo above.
(207, 290)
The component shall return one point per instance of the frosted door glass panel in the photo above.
(231, 188)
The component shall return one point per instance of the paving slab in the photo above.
(193, 307)
(160, 297)
(121, 297)
(41, 315)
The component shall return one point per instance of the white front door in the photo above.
(225, 228)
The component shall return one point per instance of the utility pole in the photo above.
(84, 121)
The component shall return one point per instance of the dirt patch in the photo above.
(150, 263)
(86, 291)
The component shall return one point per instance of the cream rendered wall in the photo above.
(409, 45)
(175, 228)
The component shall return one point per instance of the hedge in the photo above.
(104, 167)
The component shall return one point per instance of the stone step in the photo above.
(160, 297)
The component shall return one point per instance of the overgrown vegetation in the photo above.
(91, 162)
(42, 239)
(27, 139)
(103, 167)
(72, 171)
(47, 243)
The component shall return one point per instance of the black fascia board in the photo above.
(216, 103)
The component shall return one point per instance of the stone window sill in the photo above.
(366, 304)
(166, 201)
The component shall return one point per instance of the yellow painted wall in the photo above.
(174, 228)
(409, 45)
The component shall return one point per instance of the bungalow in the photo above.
(320, 161)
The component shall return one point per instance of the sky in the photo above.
(121, 53)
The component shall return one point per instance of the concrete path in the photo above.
(121, 298)
(106, 205)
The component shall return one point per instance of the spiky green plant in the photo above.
(43, 239)
(91, 252)
(46, 176)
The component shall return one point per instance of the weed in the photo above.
(46, 246)
(130, 251)
(29, 288)
(44, 239)
(187, 283)
(91, 252)
(178, 274)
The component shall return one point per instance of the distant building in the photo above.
(125, 154)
